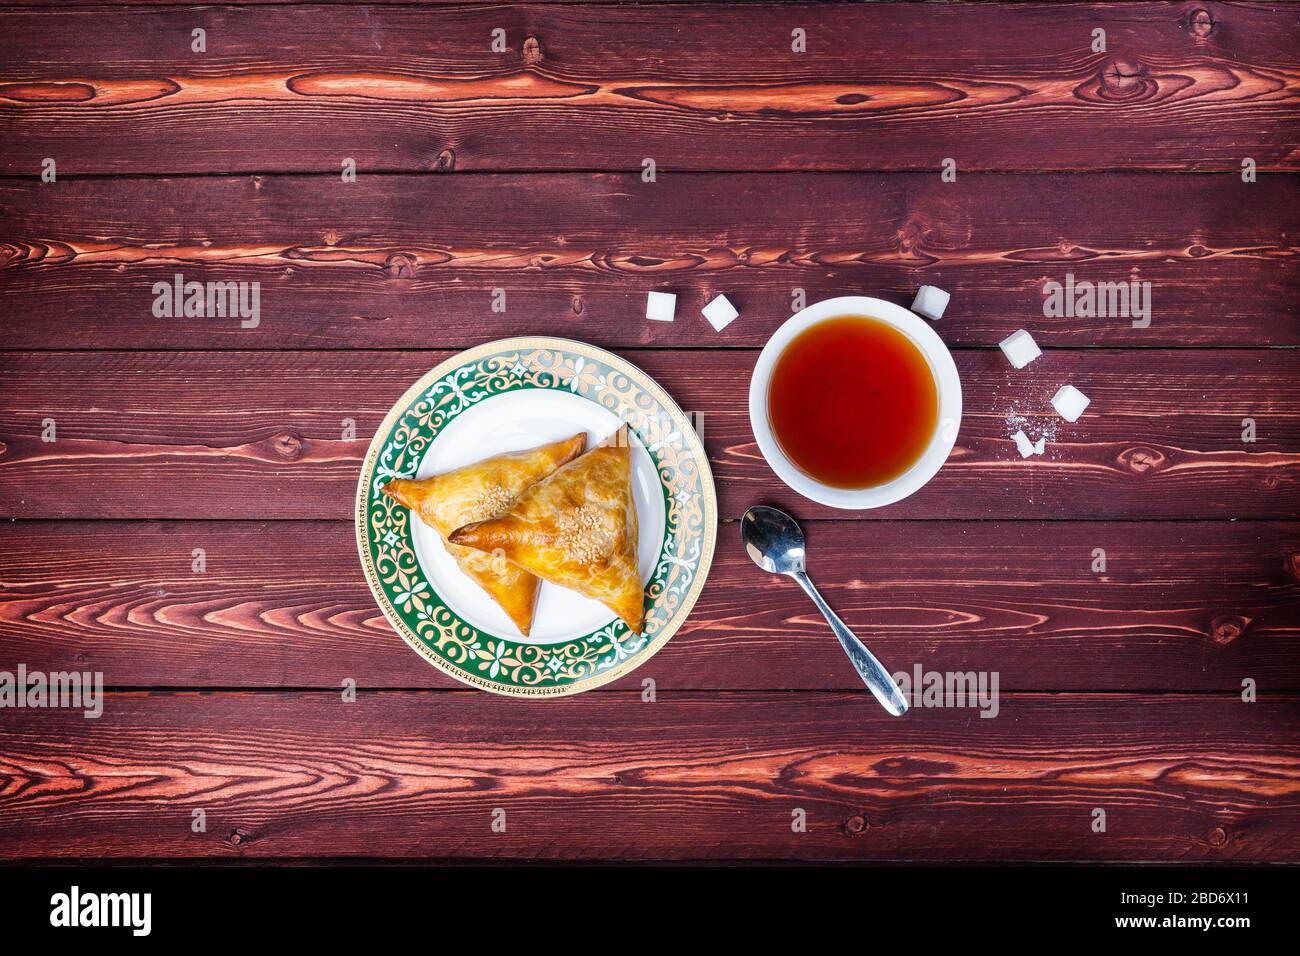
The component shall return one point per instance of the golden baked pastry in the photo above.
(483, 490)
(576, 528)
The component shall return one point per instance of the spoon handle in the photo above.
(871, 671)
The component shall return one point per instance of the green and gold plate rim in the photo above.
(500, 664)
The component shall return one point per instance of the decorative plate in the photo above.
(519, 393)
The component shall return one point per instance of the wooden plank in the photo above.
(350, 265)
(1181, 606)
(689, 776)
(249, 3)
(881, 86)
(241, 3)
(258, 435)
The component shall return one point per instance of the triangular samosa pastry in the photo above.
(576, 529)
(483, 490)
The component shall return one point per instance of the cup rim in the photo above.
(947, 386)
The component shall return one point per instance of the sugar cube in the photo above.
(1069, 403)
(720, 313)
(1020, 348)
(660, 306)
(930, 302)
(1040, 446)
(1024, 445)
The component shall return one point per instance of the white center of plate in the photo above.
(509, 422)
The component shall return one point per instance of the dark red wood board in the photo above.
(258, 435)
(689, 776)
(1180, 606)
(408, 262)
(705, 86)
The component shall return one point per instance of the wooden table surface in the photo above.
(518, 165)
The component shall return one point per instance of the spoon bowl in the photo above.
(773, 539)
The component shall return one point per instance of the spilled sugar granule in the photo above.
(1036, 429)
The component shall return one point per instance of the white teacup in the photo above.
(947, 386)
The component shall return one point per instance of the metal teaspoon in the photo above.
(776, 543)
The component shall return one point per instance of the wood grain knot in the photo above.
(1120, 81)
(1201, 24)
(855, 825)
(287, 446)
(1291, 563)
(239, 837)
(1141, 460)
(400, 265)
(909, 234)
(1226, 629)
(532, 51)
(446, 162)
(1218, 836)
(578, 305)
(911, 238)
(1123, 78)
